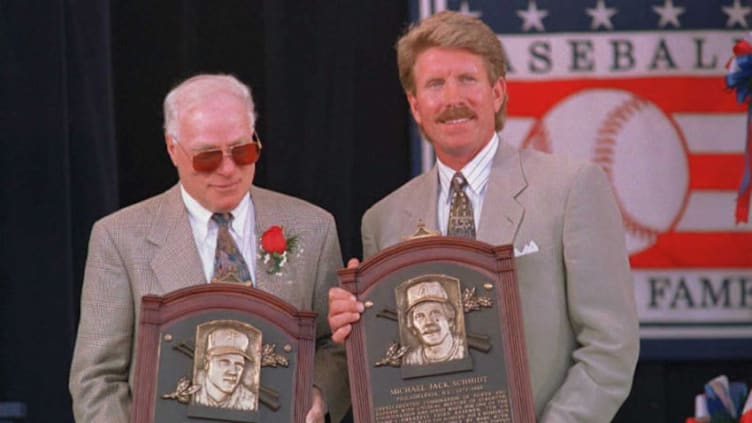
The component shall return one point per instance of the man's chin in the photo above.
(432, 340)
(226, 204)
(228, 388)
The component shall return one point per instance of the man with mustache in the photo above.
(577, 299)
(431, 320)
(224, 365)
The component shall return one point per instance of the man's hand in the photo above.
(318, 407)
(344, 309)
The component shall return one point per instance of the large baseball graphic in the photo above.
(639, 146)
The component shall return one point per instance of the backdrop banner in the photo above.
(638, 87)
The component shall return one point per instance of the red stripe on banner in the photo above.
(692, 250)
(673, 94)
(715, 171)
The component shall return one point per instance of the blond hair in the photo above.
(450, 29)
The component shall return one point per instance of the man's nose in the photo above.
(228, 164)
(452, 93)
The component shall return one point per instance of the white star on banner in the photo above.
(601, 15)
(736, 14)
(669, 14)
(532, 17)
(465, 10)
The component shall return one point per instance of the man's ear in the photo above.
(499, 89)
(171, 147)
(414, 107)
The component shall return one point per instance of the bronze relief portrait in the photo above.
(431, 320)
(227, 365)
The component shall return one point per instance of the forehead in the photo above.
(217, 118)
(232, 357)
(428, 306)
(440, 60)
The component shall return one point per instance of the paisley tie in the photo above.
(461, 222)
(229, 265)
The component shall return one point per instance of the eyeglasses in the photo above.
(209, 160)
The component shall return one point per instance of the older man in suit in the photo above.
(580, 323)
(170, 241)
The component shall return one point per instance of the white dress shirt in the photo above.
(204, 229)
(476, 172)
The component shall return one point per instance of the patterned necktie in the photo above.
(461, 222)
(229, 265)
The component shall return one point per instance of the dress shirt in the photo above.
(476, 172)
(205, 232)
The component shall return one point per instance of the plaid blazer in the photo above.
(148, 248)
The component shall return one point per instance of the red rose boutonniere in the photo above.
(276, 248)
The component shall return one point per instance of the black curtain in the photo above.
(81, 93)
(323, 76)
(80, 123)
(59, 173)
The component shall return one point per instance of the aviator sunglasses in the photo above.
(209, 160)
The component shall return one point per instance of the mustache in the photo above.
(430, 328)
(456, 112)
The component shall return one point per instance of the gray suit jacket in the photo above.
(148, 248)
(580, 321)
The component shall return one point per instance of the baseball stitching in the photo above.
(603, 155)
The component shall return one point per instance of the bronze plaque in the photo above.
(223, 353)
(441, 339)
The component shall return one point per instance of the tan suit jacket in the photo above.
(148, 248)
(580, 321)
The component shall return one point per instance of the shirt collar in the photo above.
(476, 171)
(200, 217)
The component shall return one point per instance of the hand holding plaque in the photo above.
(440, 337)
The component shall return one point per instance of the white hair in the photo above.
(196, 89)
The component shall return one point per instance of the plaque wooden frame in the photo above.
(374, 279)
(207, 302)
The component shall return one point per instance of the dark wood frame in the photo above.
(479, 256)
(160, 311)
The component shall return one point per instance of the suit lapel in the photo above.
(421, 207)
(264, 218)
(502, 214)
(176, 262)
(267, 213)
